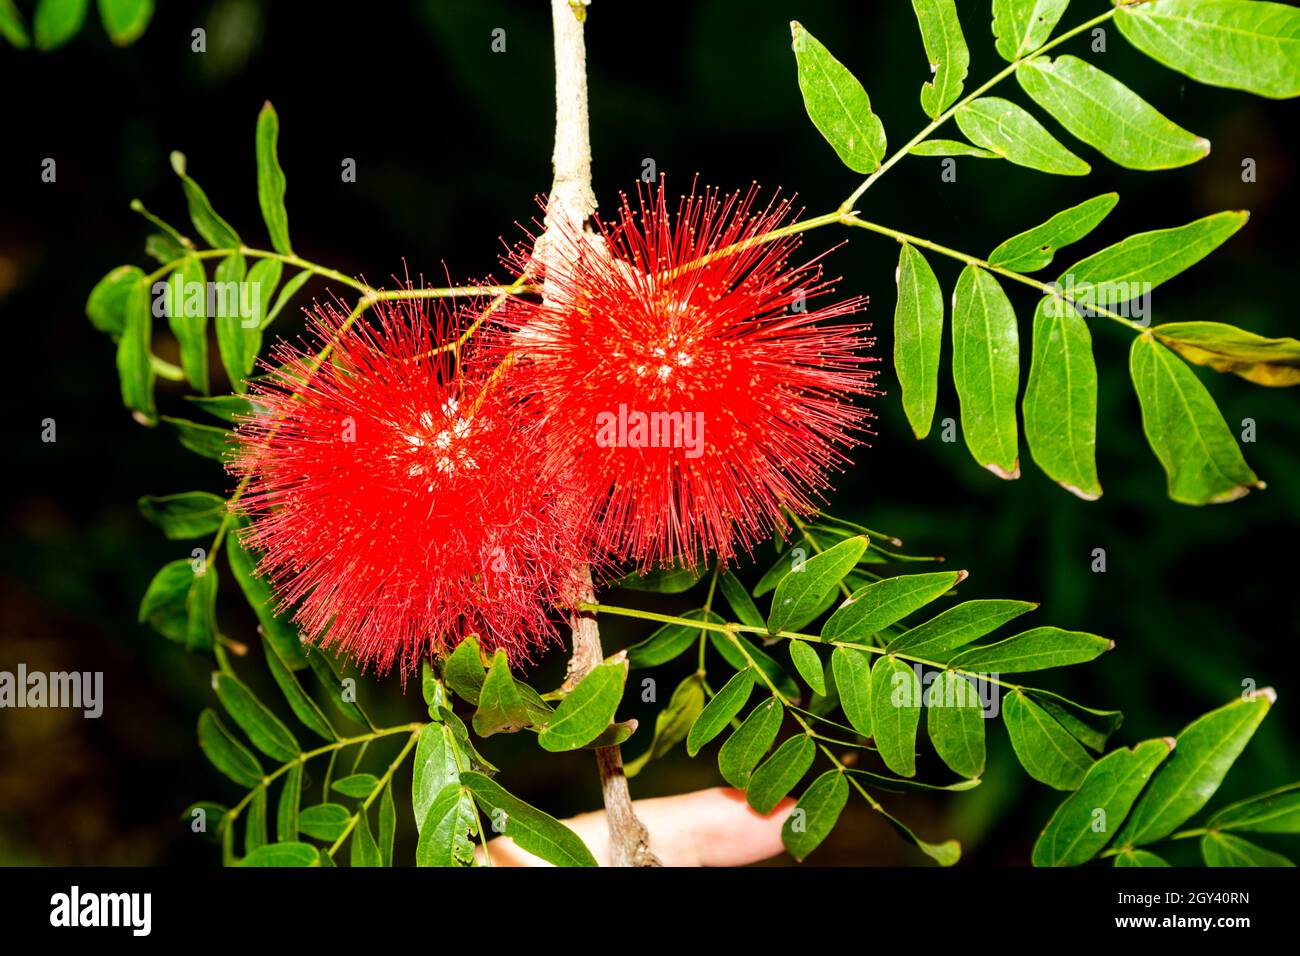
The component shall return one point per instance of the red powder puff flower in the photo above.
(695, 397)
(401, 502)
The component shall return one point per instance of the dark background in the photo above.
(452, 142)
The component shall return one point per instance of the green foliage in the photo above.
(883, 675)
(918, 338)
(586, 710)
(945, 48)
(1009, 131)
(837, 104)
(1253, 46)
(57, 22)
(883, 670)
(986, 370)
(1133, 798)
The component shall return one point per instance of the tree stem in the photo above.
(571, 204)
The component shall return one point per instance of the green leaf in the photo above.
(1277, 811)
(809, 666)
(741, 752)
(1138, 858)
(135, 369)
(303, 707)
(1201, 458)
(387, 824)
(532, 830)
(271, 181)
(190, 514)
(880, 781)
(800, 594)
(741, 603)
(287, 292)
(1035, 248)
(946, 853)
(1034, 650)
(669, 641)
(500, 708)
(435, 767)
(1132, 267)
(950, 147)
(986, 370)
(957, 627)
(673, 722)
(1224, 849)
(107, 303)
(1007, 130)
(586, 711)
(286, 817)
(464, 745)
(201, 611)
(227, 408)
(871, 609)
(1082, 825)
(282, 854)
(225, 752)
(12, 27)
(445, 829)
(784, 564)
(125, 20)
(538, 711)
(1046, 750)
(267, 732)
(780, 773)
(1243, 46)
(277, 628)
(613, 735)
(334, 689)
(895, 713)
(852, 672)
(945, 47)
(837, 104)
(205, 440)
(1207, 748)
(163, 247)
(954, 719)
(365, 852)
(163, 605)
(1092, 728)
(215, 230)
(238, 345)
(255, 824)
(463, 670)
(188, 320)
(725, 645)
(239, 333)
(1226, 348)
(815, 814)
(1107, 115)
(216, 818)
(1060, 403)
(918, 337)
(324, 821)
(55, 22)
(1022, 26)
(359, 785)
(662, 580)
(720, 711)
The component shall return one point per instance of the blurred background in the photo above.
(452, 143)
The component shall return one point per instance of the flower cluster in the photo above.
(666, 399)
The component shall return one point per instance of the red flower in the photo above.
(694, 399)
(402, 502)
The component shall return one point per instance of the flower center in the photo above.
(441, 445)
